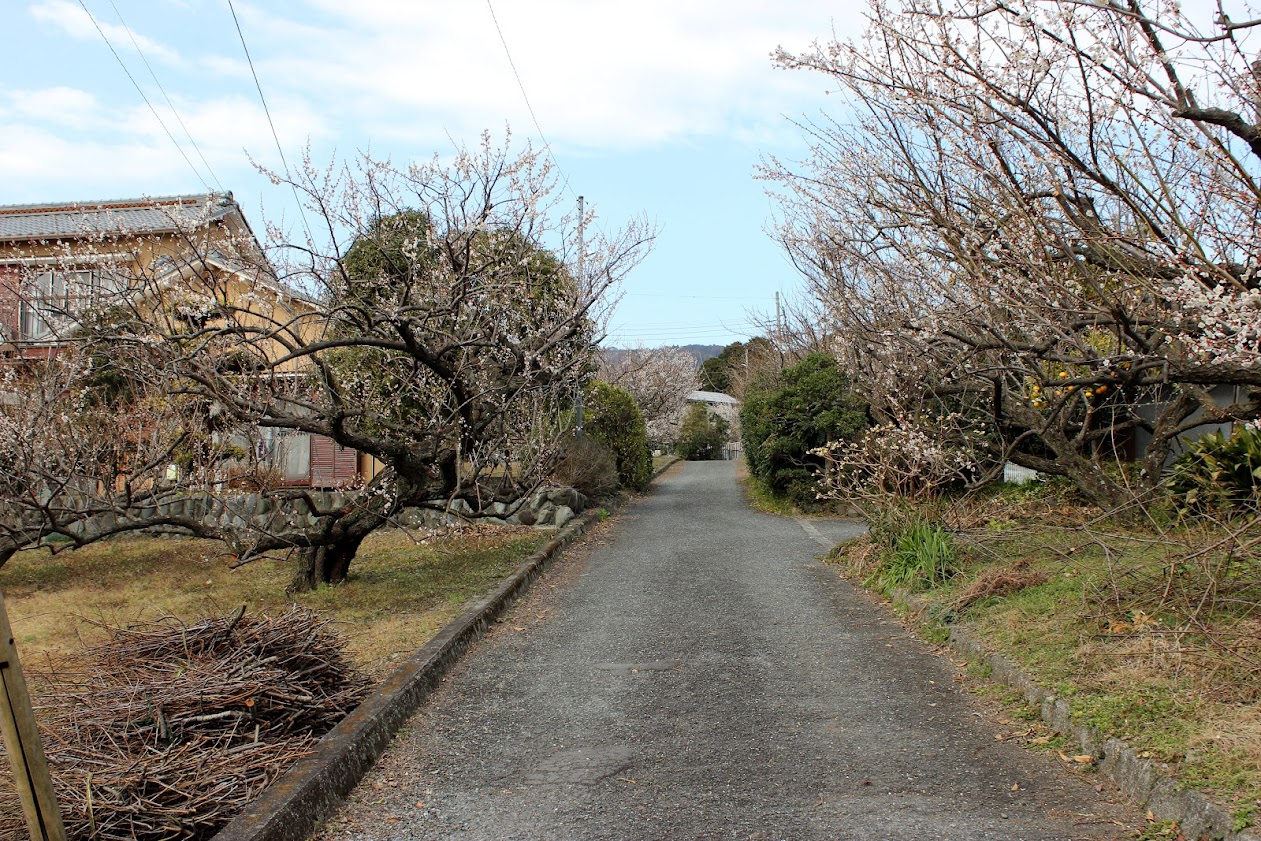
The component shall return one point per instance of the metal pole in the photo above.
(582, 284)
(21, 739)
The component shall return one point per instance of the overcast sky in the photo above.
(658, 107)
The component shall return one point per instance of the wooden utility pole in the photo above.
(21, 739)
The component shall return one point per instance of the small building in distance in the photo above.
(726, 407)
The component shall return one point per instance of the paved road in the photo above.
(699, 674)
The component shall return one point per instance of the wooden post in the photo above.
(21, 739)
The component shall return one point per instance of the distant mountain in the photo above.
(703, 352)
(699, 352)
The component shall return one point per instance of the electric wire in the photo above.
(169, 103)
(525, 96)
(140, 91)
(267, 111)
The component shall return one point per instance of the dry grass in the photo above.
(995, 582)
(399, 592)
(1153, 632)
(165, 730)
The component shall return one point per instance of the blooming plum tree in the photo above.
(659, 379)
(1045, 211)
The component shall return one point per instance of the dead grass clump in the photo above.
(857, 558)
(994, 582)
(1239, 732)
(167, 730)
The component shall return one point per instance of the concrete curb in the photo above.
(1147, 782)
(663, 468)
(316, 786)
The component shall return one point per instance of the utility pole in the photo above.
(21, 737)
(582, 280)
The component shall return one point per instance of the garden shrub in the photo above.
(809, 406)
(587, 465)
(613, 419)
(702, 435)
(1218, 472)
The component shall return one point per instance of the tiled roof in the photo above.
(72, 220)
(711, 397)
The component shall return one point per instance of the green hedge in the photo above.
(807, 406)
(613, 419)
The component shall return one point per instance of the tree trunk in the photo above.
(328, 562)
(324, 564)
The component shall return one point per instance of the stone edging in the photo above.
(1143, 780)
(316, 786)
(663, 468)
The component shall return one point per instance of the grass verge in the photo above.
(1152, 633)
(398, 595)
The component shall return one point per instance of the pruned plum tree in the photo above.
(434, 322)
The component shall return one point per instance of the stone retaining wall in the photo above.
(546, 508)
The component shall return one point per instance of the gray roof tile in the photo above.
(73, 220)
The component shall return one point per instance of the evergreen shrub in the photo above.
(808, 406)
(702, 435)
(613, 419)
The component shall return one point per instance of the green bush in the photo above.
(702, 435)
(922, 555)
(1217, 472)
(613, 419)
(808, 406)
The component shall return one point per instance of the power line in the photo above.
(267, 111)
(140, 91)
(546, 145)
(169, 103)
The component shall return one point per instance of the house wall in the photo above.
(1224, 395)
(306, 461)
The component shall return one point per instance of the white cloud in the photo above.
(597, 74)
(64, 106)
(403, 77)
(36, 163)
(61, 139)
(72, 19)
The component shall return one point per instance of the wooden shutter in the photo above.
(332, 465)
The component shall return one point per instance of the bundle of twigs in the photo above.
(168, 729)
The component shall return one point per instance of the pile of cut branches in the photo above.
(167, 729)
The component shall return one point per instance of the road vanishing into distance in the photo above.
(692, 670)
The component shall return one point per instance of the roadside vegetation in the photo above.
(1027, 261)
(1152, 630)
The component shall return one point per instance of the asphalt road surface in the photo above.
(696, 672)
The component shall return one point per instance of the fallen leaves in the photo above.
(1079, 759)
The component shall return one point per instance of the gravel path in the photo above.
(695, 672)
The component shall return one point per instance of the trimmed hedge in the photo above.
(613, 419)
